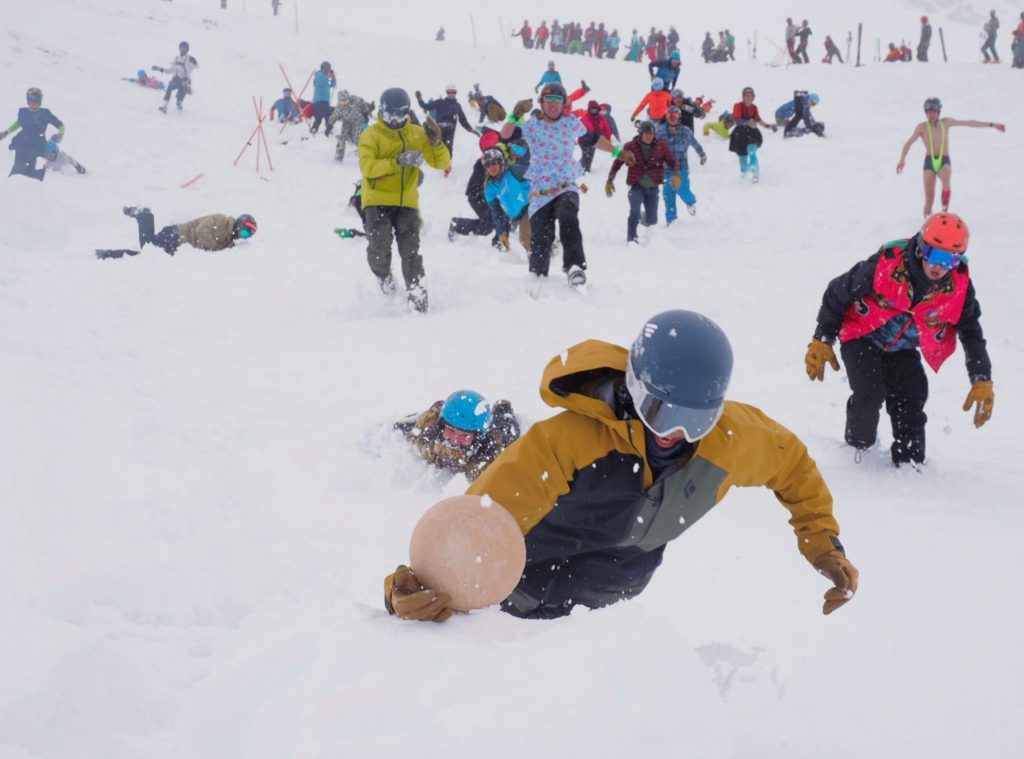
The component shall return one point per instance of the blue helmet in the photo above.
(141, 74)
(467, 410)
(657, 83)
(813, 98)
(51, 148)
(677, 374)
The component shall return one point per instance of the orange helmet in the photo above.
(946, 231)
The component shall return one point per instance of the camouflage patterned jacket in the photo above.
(355, 113)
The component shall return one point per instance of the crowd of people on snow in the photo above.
(638, 423)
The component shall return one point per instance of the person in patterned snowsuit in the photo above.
(354, 114)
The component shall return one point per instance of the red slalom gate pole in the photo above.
(298, 97)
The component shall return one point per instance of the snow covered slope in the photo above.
(199, 497)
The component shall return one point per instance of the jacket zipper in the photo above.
(401, 190)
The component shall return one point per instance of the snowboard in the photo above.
(102, 254)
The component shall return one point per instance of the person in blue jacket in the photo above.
(285, 108)
(680, 139)
(29, 143)
(789, 115)
(667, 69)
(323, 82)
(551, 75)
(508, 197)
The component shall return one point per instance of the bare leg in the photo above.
(945, 176)
(929, 192)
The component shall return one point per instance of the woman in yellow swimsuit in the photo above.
(934, 133)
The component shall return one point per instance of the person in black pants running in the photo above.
(181, 69)
(446, 112)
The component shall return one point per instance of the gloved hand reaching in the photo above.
(703, 158)
(983, 398)
(433, 130)
(837, 568)
(818, 354)
(410, 158)
(675, 181)
(410, 600)
(522, 107)
(609, 188)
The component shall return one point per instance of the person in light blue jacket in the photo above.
(323, 82)
(680, 139)
(508, 197)
(548, 76)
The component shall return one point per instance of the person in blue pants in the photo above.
(679, 139)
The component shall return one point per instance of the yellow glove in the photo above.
(983, 398)
(818, 354)
(675, 181)
(836, 567)
(609, 188)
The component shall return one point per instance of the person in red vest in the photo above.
(541, 36)
(911, 299)
(526, 33)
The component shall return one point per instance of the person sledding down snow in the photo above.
(214, 232)
(488, 106)
(30, 141)
(462, 434)
(145, 80)
(789, 115)
(645, 446)
(58, 160)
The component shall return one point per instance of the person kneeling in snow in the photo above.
(214, 232)
(462, 434)
(789, 115)
(56, 160)
(508, 197)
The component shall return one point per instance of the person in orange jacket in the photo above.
(657, 101)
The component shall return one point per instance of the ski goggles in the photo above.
(245, 232)
(665, 419)
(397, 116)
(939, 257)
(553, 99)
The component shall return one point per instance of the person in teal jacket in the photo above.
(508, 197)
(323, 82)
(551, 75)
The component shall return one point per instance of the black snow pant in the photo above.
(588, 146)
(25, 164)
(321, 110)
(179, 84)
(922, 53)
(895, 378)
(565, 210)
(990, 44)
(647, 198)
(448, 137)
(167, 238)
(801, 53)
(383, 225)
(483, 224)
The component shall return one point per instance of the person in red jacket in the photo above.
(895, 54)
(644, 177)
(597, 127)
(541, 37)
(746, 137)
(913, 298)
(657, 101)
(526, 33)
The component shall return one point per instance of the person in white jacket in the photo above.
(58, 160)
(181, 69)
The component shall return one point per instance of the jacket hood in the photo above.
(578, 379)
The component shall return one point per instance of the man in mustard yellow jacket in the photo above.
(390, 154)
(646, 446)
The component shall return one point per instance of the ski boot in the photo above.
(576, 276)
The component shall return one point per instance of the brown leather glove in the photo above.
(837, 568)
(675, 181)
(609, 188)
(627, 158)
(983, 398)
(410, 600)
(818, 354)
(522, 107)
(433, 131)
(419, 95)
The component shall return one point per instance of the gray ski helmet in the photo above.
(933, 104)
(551, 65)
(552, 90)
(325, 66)
(492, 155)
(394, 107)
(677, 373)
(645, 127)
(183, 46)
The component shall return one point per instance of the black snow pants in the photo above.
(896, 378)
(167, 238)
(483, 224)
(564, 209)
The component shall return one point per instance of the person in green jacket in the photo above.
(390, 154)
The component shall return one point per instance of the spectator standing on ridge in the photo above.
(925, 41)
(323, 82)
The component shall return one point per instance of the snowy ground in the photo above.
(199, 498)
